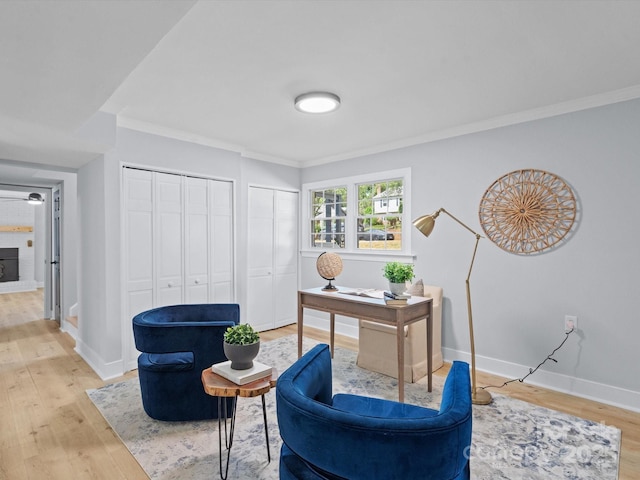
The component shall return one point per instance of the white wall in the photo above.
(519, 302)
(100, 327)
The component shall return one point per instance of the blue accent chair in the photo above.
(177, 343)
(355, 437)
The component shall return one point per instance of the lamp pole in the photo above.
(425, 225)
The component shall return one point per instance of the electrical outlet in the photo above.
(570, 323)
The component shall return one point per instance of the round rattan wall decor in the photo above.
(527, 211)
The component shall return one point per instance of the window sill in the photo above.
(382, 256)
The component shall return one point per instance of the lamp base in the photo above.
(481, 397)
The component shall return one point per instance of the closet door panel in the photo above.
(178, 243)
(285, 257)
(260, 300)
(139, 230)
(260, 232)
(139, 270)
(273, 258)
(286, 299)
(196, 240)
(168, 239)
(286, 232)
(222, 253)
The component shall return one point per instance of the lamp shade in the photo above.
(425, 224)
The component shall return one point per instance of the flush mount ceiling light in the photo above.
(317, 102)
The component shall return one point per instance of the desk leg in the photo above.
(429, 347)
(332, 331)
(400, 342)
(300, 321)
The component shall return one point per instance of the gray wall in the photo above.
(519, 302)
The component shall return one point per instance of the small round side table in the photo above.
(218, 386)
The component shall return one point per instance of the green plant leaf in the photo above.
(397, 272)
(242, 334)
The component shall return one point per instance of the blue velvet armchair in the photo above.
(177, 343)
(354, 437)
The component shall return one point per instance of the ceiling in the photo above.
(225, 73)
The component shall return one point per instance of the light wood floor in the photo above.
(50, 429)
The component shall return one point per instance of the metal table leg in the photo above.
(266, 428)
(228, 440)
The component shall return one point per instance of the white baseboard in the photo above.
(18, 286)
(346, 326)
(105, 371)
(597, 392)
(69, 328)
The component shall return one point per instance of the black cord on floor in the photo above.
(533, 370)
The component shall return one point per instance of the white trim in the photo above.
(557, 109)
(598, 392)
(104, 370)
(594, 391)
(153, 129)
(127, 363)
(69, 328)
(172, 171)
(366, 256)
(562, 108)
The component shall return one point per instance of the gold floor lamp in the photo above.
(425, 224)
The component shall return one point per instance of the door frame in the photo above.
(48, 297)
(129, 358)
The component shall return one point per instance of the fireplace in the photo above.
(9, 265)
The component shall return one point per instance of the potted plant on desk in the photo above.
(241, 346)
(398, 275)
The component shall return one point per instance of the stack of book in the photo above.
(242, 377)
(396, 299)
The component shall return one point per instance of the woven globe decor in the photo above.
(329, 266)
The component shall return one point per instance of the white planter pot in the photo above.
(397, 288)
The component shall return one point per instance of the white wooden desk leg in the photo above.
(332, 332)
(400, 341)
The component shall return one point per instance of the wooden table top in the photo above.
(218, 386)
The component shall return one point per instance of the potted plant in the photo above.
(398, 275)
(241, 345)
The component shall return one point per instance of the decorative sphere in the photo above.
(329, 265)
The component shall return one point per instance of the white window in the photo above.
(363, 214)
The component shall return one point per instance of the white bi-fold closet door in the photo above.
(272, 258)
(178, 233)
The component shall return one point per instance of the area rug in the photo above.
(511, 439)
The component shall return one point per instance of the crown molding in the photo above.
(540, 113)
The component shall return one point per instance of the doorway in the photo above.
(28, 228)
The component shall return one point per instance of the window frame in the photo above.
(350, 249)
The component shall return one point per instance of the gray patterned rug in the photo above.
(511, 439)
